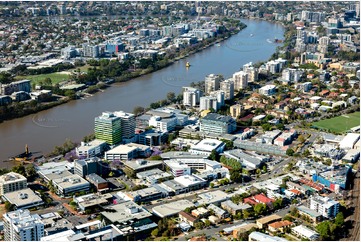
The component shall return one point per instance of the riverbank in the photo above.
(32, 109)
(74, 119)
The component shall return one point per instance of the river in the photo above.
(74, 120)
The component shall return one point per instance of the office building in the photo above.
(325, 206)
(85, 167)
(24, 198)
(91, 149)
(20, 225)
(127, 152)
(227, 86)
(240, 80)
(217, 124)
(108, 128)
(11, 182)
(235, 110)
(70, 184)
(127, 125)
(206, 146)
(212, 83)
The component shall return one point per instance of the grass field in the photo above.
(55, 77)
(339, 124)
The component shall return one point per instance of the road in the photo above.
(214, 231)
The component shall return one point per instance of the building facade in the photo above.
(11, 182)
(108, 128)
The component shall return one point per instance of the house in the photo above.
(233, 208)
(186, 217)
(279, 226)
(259, 198)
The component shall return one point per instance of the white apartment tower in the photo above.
(251, 71)
(227, 86)
(212, 83)
(191, 96)
(240, 80)
(11, 182)
(207, 103)
(325, 206)
(20, 225)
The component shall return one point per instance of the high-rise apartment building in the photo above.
(235, 110)
(240, 80)
(108, 128)
(212, 83)
(20, 225)
(325, 206)
(227, 86)
(191, 96)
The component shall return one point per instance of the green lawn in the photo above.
(55, 77)
(339, 124)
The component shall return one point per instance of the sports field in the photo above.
(55, 77)
(339, 124)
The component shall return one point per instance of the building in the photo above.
(93, 201)
(98, 182)
(145, 194)
(139, 166)
(349, 141)
(236, 110)
(11, 182)
(20, 225)
(263, 222)
(240, 80)
(212, 83)
(130, 218)
(247, 161)
(5, 100)
(310, 213)
(215, 197)
(163, 124)
(325, 206)
(108, 128)
(127, 152)
(191, 96)
(206, 146)
(279, 226)
(237, 230)
(218, 124)
(188, 218)
(68, 185)
(52, 170)
(91, 50)
(233, 208)
(24, 198)
(268, 90)
(305, 233)
(208, 103)
(18, 86)
(85, 167)
(258, 236)
(227, 86)
(220, 96)
(127, 125)
(153, 176)
(171, 209)
(91, 149)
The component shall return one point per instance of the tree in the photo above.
(339, 220)
(8, 206)
(290, 152)
(213, 155)
(19, 169)
(246, 214)
(294, 211)
(211, 185)
(207, 223)
(199, 225)
(30, 171)
(138, 110)
(70, 94)
(235, 176)
(171, 96)
(155, 232)
(266, 127)
(260, 208)
(323, 229)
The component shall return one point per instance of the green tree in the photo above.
(8, 206)
(155, 232)
(207, 223)
(339, 220)
(323, 229)
(213, 155)
(290, 152)
(19, 169)
(260, 208)
(138, 110)
(171, 96)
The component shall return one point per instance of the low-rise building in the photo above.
(171, 209)
(145, 195)
(258, 236)
(310, 213)
(279, 226)
(188, 218)
(219, 124)
(91, 149)
(215, 197)
(92, 201)
(233, 208)
(24, 198)
(68, 185)
(219, 212)
(206, 146)
(305, 233)
(98, 182)
(153, 176)
(263, 222)
(143, 165)
(127, 152)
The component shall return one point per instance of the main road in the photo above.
(75, 119)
